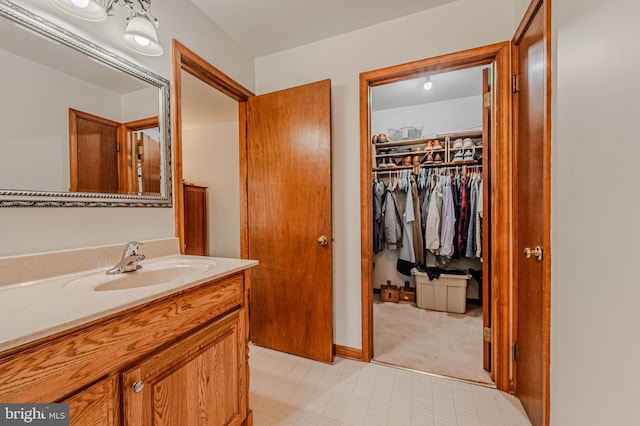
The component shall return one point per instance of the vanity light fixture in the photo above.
(427, 83)
(140, 34)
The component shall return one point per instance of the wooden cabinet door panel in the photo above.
(97, 405)
(199, 381)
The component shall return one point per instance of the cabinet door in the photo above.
(196, 237)
(199, 381)
(96, 405)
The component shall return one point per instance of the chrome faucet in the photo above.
(129, 261)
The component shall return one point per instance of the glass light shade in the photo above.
(428, 84)
(89, 10)
(141, 36)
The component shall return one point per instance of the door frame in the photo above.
(185, 59)
(501, 192)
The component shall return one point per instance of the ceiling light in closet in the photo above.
(427, 83)
(140, 34)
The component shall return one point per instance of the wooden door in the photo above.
(196, 234)
(289, 220)
(150, 161)
(93, 153)
(199, 381)
(531, 197)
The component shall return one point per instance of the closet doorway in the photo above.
(439, 157)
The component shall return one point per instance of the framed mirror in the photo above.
(79, 125)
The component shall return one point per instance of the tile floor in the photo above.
(288, 390)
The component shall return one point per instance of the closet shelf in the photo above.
(385, 150)
(442, 138)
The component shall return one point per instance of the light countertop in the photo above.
(36, 309)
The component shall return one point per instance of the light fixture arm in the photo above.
(143, 8)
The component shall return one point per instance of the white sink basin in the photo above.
(174, 271)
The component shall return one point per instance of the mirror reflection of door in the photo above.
(93, 153)
(110, 157)
(143, 154)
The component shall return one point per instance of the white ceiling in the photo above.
(263, 27)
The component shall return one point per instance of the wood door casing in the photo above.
(289, 199)
(500, 162)
(185, 59)
(532, 211)
(486, 250)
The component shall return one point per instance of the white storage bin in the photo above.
(448, 293)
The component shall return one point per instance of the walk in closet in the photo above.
(430, 204)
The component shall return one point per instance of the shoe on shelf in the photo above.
(437, 159)
(468, 155)
(428, 146)
(468, 143)
(429, 158)
(458, 157)
(457, 144)
(437, 144)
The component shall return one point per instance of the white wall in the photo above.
(211, 159)
(453, 115)
(595, 327)
(457, 26)
(35, 128)
(36, 229)
(140, 104)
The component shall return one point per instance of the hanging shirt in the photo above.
(392, 222)
(378, 216)
(406, 251)
(473, 213)
(448, 218)
(463, 217)
(479, 217)
(432, 228)
(416, 227)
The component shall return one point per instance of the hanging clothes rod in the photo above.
(441, 168)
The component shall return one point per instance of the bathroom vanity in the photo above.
(134, 351)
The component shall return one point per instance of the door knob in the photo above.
(537, 252)
(137, 386)
(323, 240)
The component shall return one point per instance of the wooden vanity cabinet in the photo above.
(186, 354)
(199, 381)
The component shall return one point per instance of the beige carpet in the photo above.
(434, 342)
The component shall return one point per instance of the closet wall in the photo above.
(444, 117)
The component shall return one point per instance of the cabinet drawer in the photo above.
(54, 369)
